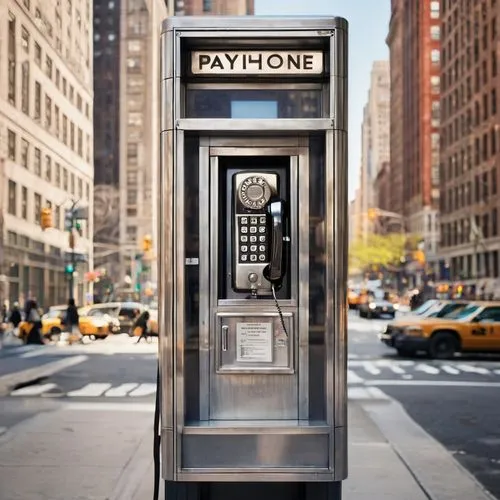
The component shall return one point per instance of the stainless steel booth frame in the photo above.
(217, 142)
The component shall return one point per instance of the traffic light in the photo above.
(69, 269)
(147, 243)
(46, 218)
(372, 214)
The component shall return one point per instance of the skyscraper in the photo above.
(374, 138)
(470, 124)
(127, 126)
(46, 145)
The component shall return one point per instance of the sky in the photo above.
(368, 25)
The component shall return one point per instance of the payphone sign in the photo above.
(254, 62)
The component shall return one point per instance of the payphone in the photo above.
(253, 238)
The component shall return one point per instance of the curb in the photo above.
(427, 459)
(11, 380)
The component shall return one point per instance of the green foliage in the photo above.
(381, 250)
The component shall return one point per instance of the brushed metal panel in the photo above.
(256, 476)
(167, 454)
(339, 139)
(254, 142)
(221, 24)
(340, 464)
(226, 344)
(280, 124)
(301, 452)
(165, 271)
(167, 52)
(339, 63)
(167, 116)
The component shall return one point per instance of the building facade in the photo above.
(375, 143)
(214, 7)
(395, 43)
(127, 127)
(420, 69)
(470, 124)
(46, 146)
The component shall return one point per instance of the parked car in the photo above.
(474, 328)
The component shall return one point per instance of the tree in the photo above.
(380, 250)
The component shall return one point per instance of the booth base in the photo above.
(253, 491)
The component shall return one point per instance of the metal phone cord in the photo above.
(280, 312)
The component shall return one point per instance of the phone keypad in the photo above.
(253, 239)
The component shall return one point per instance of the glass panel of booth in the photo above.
(267, 103)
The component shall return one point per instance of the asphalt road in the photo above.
(455, 401)
(115, 370)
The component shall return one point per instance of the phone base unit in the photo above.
(253, 204)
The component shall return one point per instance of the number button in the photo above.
(244, 258)
(262, 239)
(244, 248)
(263, 219)
(244, 220)
(253, 258)
(253, 248)
(244, 239)
(262, 248)
(262, 258)
(262, 229)
(244, 229)
(253, 229)
(253, 220)
(253, 239)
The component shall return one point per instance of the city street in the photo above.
(455, 401)
(98, 409)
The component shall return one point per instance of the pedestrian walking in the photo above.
(141, 325)
(34, 323)
(72, 321)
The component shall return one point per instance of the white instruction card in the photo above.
(254, 342)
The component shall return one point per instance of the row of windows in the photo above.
(460, 162)
(487, 264)
(462, 232)
(47, 65)
(463, 126)
(481, 77)
(31, 158)
(455, 43)
(27, 205)
(459, 197)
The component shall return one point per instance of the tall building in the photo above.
(127, 126)
(46, 145)
(395, 43)
(420, 69)
(374, 138)
(470, 123)
(214, 7)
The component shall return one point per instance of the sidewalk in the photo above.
(104, 451)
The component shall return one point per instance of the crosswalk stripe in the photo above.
(473, 369)
(397, 369)
(450, 369)
(90, 390)
(33, 390)
(120, 391)
(353, 378)
(371, 368)
(143, 390)
(427, 369)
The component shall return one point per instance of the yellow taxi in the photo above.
(473, 328)
(97, 325)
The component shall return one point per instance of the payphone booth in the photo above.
(253, 244)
